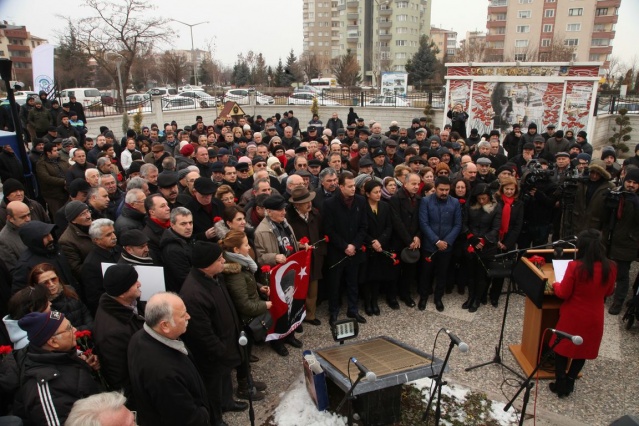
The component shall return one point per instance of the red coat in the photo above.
(582, 312)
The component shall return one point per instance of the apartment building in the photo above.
(543, 30)
(16, 44)
(446, 42)
(383, 34)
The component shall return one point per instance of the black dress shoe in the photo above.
(293, 341)
(237, 406)
(299, 329)
(473, 306)
(494, 302)
(253, 358)
(219, 423)
(375, 308)
(279, 348)
(467, 304)
(360, 319)
(313, 321)
(368, 309)
(409, 302)
(422, 304)
(393, 304)
(332, 320)
(439, 306)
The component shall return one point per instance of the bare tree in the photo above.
(125, 27)
(174, 67)
(558, 51)
(311, 65)
(473, 50)
(346, 70)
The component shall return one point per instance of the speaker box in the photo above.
(626, 420)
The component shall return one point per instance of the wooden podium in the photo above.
(541, 311)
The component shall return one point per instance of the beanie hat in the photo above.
(73, 209)
(119, 278)
(608, 152)
(78, 185)
(205, 254)
(532, 125)
(632, 174)
(582, 134)
(187, 150)
(584, 156)
(134, 168)
(10, 186)
(559, 134)
(41, 326)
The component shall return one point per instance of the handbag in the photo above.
(260, 325)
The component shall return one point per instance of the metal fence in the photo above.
(612, 105)
(366, 99)
(101, 109)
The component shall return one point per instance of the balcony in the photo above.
(494, 10)
(498, 3)
(606, 19)
(16, 34)
(385, 12)
(603, 34)
(352, 28)
(609, 3)
(600, 50)
(352, 16)
(18, 48)
(21, 59)
(385, 24)
(383, 36)
(352, 3)
(495, 37)
(352, 36)
(495, 24)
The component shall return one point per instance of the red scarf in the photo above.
(161, 224)
(505, 215)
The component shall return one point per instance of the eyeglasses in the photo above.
(66, 330)
(50, 280)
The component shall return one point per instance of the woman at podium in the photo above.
(588, 280)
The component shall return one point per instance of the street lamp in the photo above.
(192, 46)
(125, 117)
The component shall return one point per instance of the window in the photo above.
(1, 52)
(402, 30)
(577, 11)
(547, 28)
(599, 28)
(402, 18)
(523, 28)
(546, 42)
(571, 42)
(573, 27)
(551, 1)
(401, 43)
(521, 43)
(498, 44)
(520, 57)
(525, 1)
(601, 42)
(500, 17)
(593, 57)
(524, 14)
(400, 55)
(601, 11)
(450, 52)
(499, 3)
(549, 13)
(500, 30)
(401, 4)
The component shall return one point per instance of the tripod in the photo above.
(439, 383)
(243, 341)
(349, 397)
(497, 358)
(527, 384)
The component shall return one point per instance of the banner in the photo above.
(394, 83)
(42, 60)
(289, 285)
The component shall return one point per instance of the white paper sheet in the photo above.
(560, 265)
(151, 278)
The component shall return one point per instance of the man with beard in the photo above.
(51, 173)
(168, 187)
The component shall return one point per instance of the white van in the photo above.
(85, 95)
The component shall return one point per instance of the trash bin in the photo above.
(355, 101)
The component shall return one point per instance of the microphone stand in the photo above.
(349, 397)
(249, 381)
(527, 384)
(439, 383)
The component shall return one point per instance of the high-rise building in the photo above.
(383, 34)
(16, 44)
(532, 30)
(446, 42)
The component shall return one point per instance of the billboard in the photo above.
(394, 83)
(42, 59)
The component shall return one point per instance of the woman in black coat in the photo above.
(377, 270)
(482, 225)
(457, 273)
(512, 220)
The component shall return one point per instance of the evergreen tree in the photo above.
(292, 70)
(70, 61)
(259, 72)
(279, 77)
(241, 74)
(422, 66)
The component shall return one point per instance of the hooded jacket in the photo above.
(177, 252)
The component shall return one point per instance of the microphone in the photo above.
(463, 347)
(370, 376)
(577, 340)
(242, 340)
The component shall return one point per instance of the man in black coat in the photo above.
(10, 165)
(215, 327)
(116, 321)
(327, 187)
(78, 108)
(133, 212)
(102, 235)
(157, 221)
(164, 380)
(345, 223)
(41, 248)
(205, 208)
(176, 245)
(405, 205)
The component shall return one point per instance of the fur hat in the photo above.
(599, 166)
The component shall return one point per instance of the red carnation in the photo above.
(88, 352)
(266, 269)
(469, 236)
(326, 238)
(235, 200)
(428, 259)
(471, 249)
(5, 350)
(393, 255)
(462, 201)
(304, 240)
(363, 248)
(216, 219)
(289, 248)
(395, 262)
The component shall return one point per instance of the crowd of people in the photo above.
(400, 214)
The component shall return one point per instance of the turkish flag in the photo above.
(289, 286)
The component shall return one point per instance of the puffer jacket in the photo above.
(40, 119)
(75, 311)
(484, 222)
(243, 289)
(176, 251)
(51, 383)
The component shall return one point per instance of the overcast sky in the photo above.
(273, 27)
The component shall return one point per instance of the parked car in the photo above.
(21, 97)
(241, 96)
(203, 99)
(189, 88)
(137, 99)
(389, 101)
(307, 88)
(177, 102)
(162, 91)
(306, 98)
(107, 98)
(84, 95)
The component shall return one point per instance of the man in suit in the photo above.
(327, 188)
(345, 223)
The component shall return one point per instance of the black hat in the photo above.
(632, 174)
(204, 254)
(119, 278)
(275, 202)
(41, 326)
(167, 179)
(204, 186)
(528, 145)
(480, 189)
(303, 173)
(433, 153)
(508, 167)
(360, 119)
(393, 128)
(52, 129)
(301, 149)
(258, 159)
(559, 134)
(550, 126)
(341, 131)
(212, 153)
(73, 209)
(391, 142)
(365, 130)
(79, 185)
(311, 129)
(351, 127)
(532, 125)
(562, 154)
(574, 145)
(314, 163)
(11, 185)
(365, 162)
(415, 121)
(378, 153)
(217, 167)
(582, 134)
(242, 167)
(409, 256)
(134, 168)
(134, 237)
